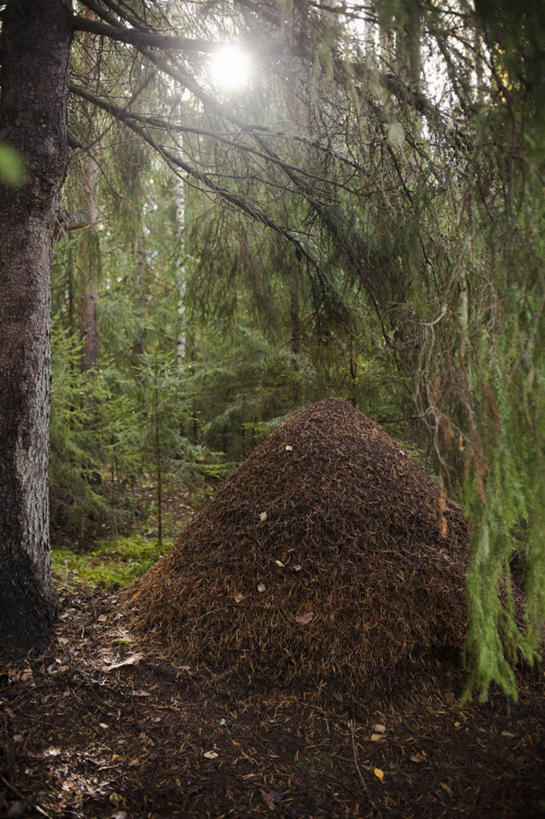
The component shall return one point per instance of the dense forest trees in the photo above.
(362, 218)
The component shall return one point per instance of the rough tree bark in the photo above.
(35, 52)
(141, 283)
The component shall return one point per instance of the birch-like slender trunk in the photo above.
(181, 343)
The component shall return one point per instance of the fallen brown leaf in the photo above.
(210, 755)
(134, 659)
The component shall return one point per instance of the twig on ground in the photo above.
(18, 793)
(362, 780)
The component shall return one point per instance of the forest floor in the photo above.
(105, 724)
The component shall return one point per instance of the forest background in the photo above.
(363, 219)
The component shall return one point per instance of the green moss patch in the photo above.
(114, 562)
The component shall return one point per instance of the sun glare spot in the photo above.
(230, 67)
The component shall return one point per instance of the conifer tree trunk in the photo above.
(295, 338)
(36, 43)
(90, 250)
(70, 284)
(140, 280)
(89, 272)
(158, 452)
(409, 54)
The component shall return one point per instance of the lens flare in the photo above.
(230, 67)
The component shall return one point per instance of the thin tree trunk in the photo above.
(409, 47)
(181, 274)
(35, 62)
(295, 339)
(353, 370)
(158, 462)
(88, 278)
(70, 285)
(479, 66)
(90, 250)
(141, 291)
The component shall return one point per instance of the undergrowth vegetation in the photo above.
(113, 562)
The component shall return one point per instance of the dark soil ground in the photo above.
(105, 725)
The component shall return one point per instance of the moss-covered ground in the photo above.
(113, 562)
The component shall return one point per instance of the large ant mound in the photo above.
(329, 556)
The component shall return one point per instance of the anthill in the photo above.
(328, 559)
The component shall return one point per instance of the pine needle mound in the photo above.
(328, 557)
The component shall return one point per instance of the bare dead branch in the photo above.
(141, 38)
